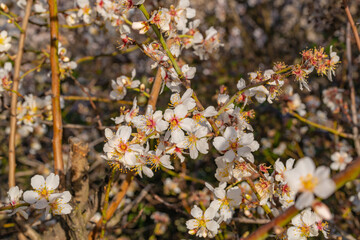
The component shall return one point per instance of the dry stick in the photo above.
(351, 21)
(113, 206)
(352, 92)
(55, 87)
(328, 129)
(155, 90)
(350, 173)
(15, 87)
(95, 99)
(90, 100)
(106, 202)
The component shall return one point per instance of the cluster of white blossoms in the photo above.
(31, 112)
(42, 197)
(182, 130)
(66, 66)
(121, 85)
(5, 40)
(307, 224)
(186, 130)
(5, 77)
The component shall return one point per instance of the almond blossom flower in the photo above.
(225, 200)
(200, 117)
(171, 186)
(58, 203)
(280, 169)
(296, 104)
(159, 158)
(195, 141)
(5, 77)
(161, 19)
(181, 13)
(260, 93)
(130, 115)
(189, 72)
(119, 86)
(340, 160)
(4, 41)
(203, 225)
(43, 190)
(304, 226)
(178, 121)
(306, 179)
(224, 170)
(192, 30)
(119, 148)
(150, 122)
(186, 99)
(142, 26)
(241, 168)
(85, 10)
(233, 144)
(14, 195)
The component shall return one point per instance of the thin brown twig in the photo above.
(95, 99)
(90, 100)
(354, 116)
(325, 128)
(155, 90)
(113, 206)
(351, 21)
(15, 87)
(55, 88)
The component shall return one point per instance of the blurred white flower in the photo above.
(308, 180)
(340, 160)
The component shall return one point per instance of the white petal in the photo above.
(210, 213)
(37, 181)
(192, 224)
(31, 197)
(322, 173)
(304, 200)
(52, 181)
(196, 212)
(180, 111)
(220, 143)
(125, 133)
(325, 188)
(212, 226)
(41, 204)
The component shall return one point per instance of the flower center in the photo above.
(150, 123)
(305, 230)
(123, 147)
(44, 192)
(174, 122)
(309, 182)
(192, 138)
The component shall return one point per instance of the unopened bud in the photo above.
(322, 210)
(4, 7)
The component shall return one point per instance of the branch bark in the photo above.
(15, 87)
(351, 21)
(55, 88)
